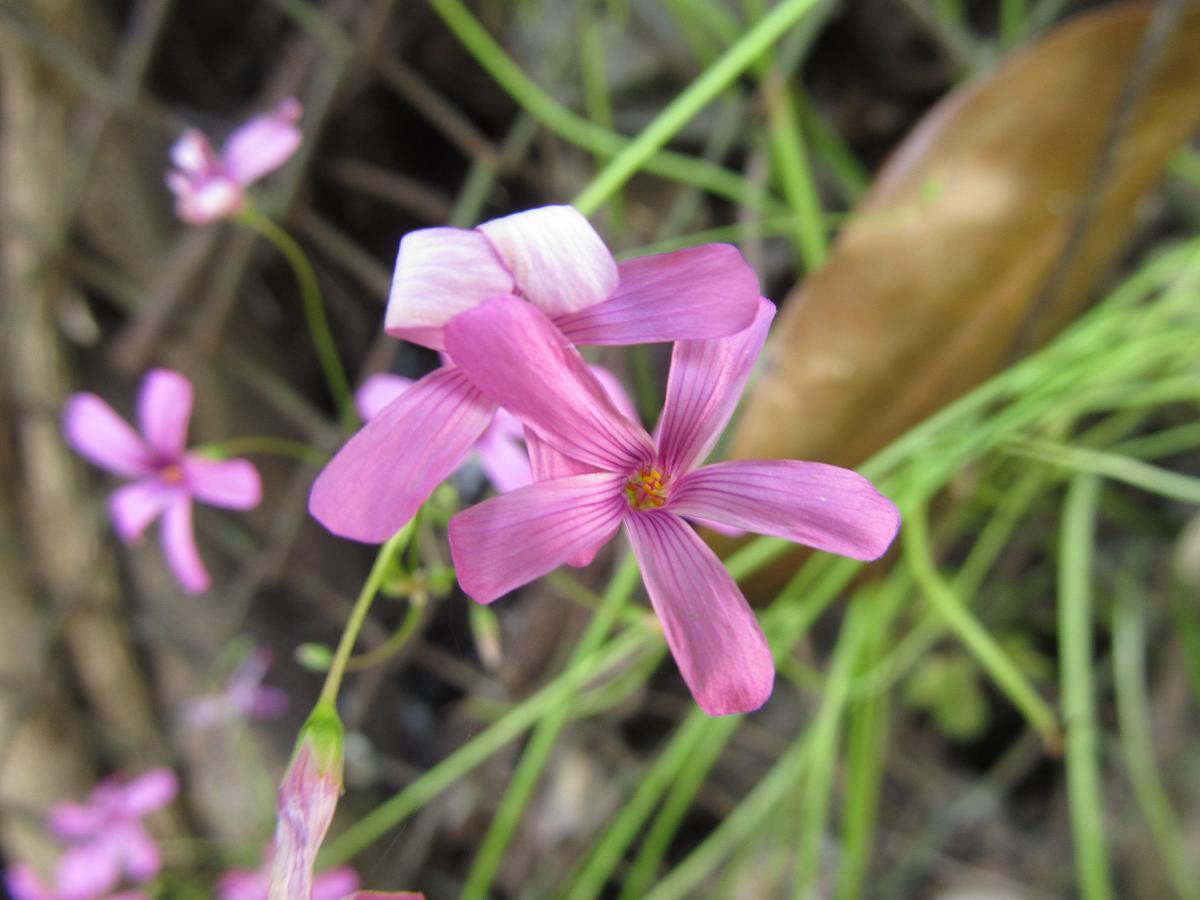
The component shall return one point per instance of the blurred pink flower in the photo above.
(552, 258)
(243, 884)
(242, 697)
(208, 186)
(165, 477)
(24, 884)
(106, 838)
(650, 485)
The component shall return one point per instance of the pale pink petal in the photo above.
(23, 883)
(242, 884)
(307, 799)
(517, 356)
(814, 504)
(703, 388)
(503, 461)
(193, 154)
(141, 856)
(441, 272)
(377, 392)
(230, 483)
(701, 292)
(102, 437)
(382, 476)
(88, 870)
(268, 703)
(205, 200)
(335, 884)
(179, 546)
(713, 635)
(164, 408)
(510, 540)
(616, 393)
(556, 258)
(72, 821)
(149, 792)
(263, 144)
(134, 506)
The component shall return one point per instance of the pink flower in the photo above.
(243, 697)
(165, 477)
(106, 835)
(23, 884)
(207, 186)
(650, 485)
(243, 884)
(552, 258)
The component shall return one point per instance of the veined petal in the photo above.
(556, 259)
(515, 354)
(230, 483)
(546, 464)
(382, 476)
(703, 388)
(616, 392)
(164, 407)
(149, 792)
(814, 504)
(263, 144)
(510, 540)
(179, 546)
(102, 437)
(701, 292)
(134, 506)
(441, 272)
(712, 632)
(377, 392)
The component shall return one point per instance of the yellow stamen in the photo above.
(647, 489)
(171, 474)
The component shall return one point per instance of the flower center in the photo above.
(647, 488)
(171, 474)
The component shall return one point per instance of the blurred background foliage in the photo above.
(982, 223)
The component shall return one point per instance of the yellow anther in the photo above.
(647, 489)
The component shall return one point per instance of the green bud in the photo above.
(314, 657)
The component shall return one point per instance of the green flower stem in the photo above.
(358, 615)
(566, 124)
(533, 761)
(1078, 688)
(400, 637)
(943, 599)
(699, 94)
(267, 444)
(1111, 465)
(314, 309)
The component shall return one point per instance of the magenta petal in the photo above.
(164, 409)
(814, 504)
(713, 635)
(512, 539)
(556, 258)
(102, 437)
(441, 272)
(179, 546)
(134, 506)
(149, 792)
(546, 463)
(517, 356)
(72, 821)
(377, 392)
(504, 462)
(230, 483)
(207, 199)
(23, 883)
(383, 895)
(382, 476)
(242, 884)
(703, 388)
(701, 292)
(616, 393)
(263, 144)
(141, 856)
(335, 884)
(88, 870)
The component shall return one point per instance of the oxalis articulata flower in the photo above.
(552, 259)
(166, 478)
(622, 476)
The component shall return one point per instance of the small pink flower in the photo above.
(208, 186)
(24, 884)
(106, 836)
(552, 258)
(243, 697)
(650, 485)
(165, 477)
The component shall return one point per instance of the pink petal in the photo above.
(179, 546)
(383, 895)
(72, 821)
(700, 292)
(377, 392)
(517, 356)
(205, 200)
(307, 799)
(556, 258)
(616, 393)
(335, 884)
(268, 703)
(134, 506)
(703, 388)
(230, 483)
(242, 884)
(263, 144)
(441, 272)
(382, 476)
(512, 539)
(814, 504)
(23, 883)
(102, 437)
(149, 792)
(164, 408)
(193, 154)
(547, 464)
(504, 463)
(713, 635)
(88, 870)
(141, 857)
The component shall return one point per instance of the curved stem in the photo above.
(274, 446)
(399, 638)
(314, 309)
